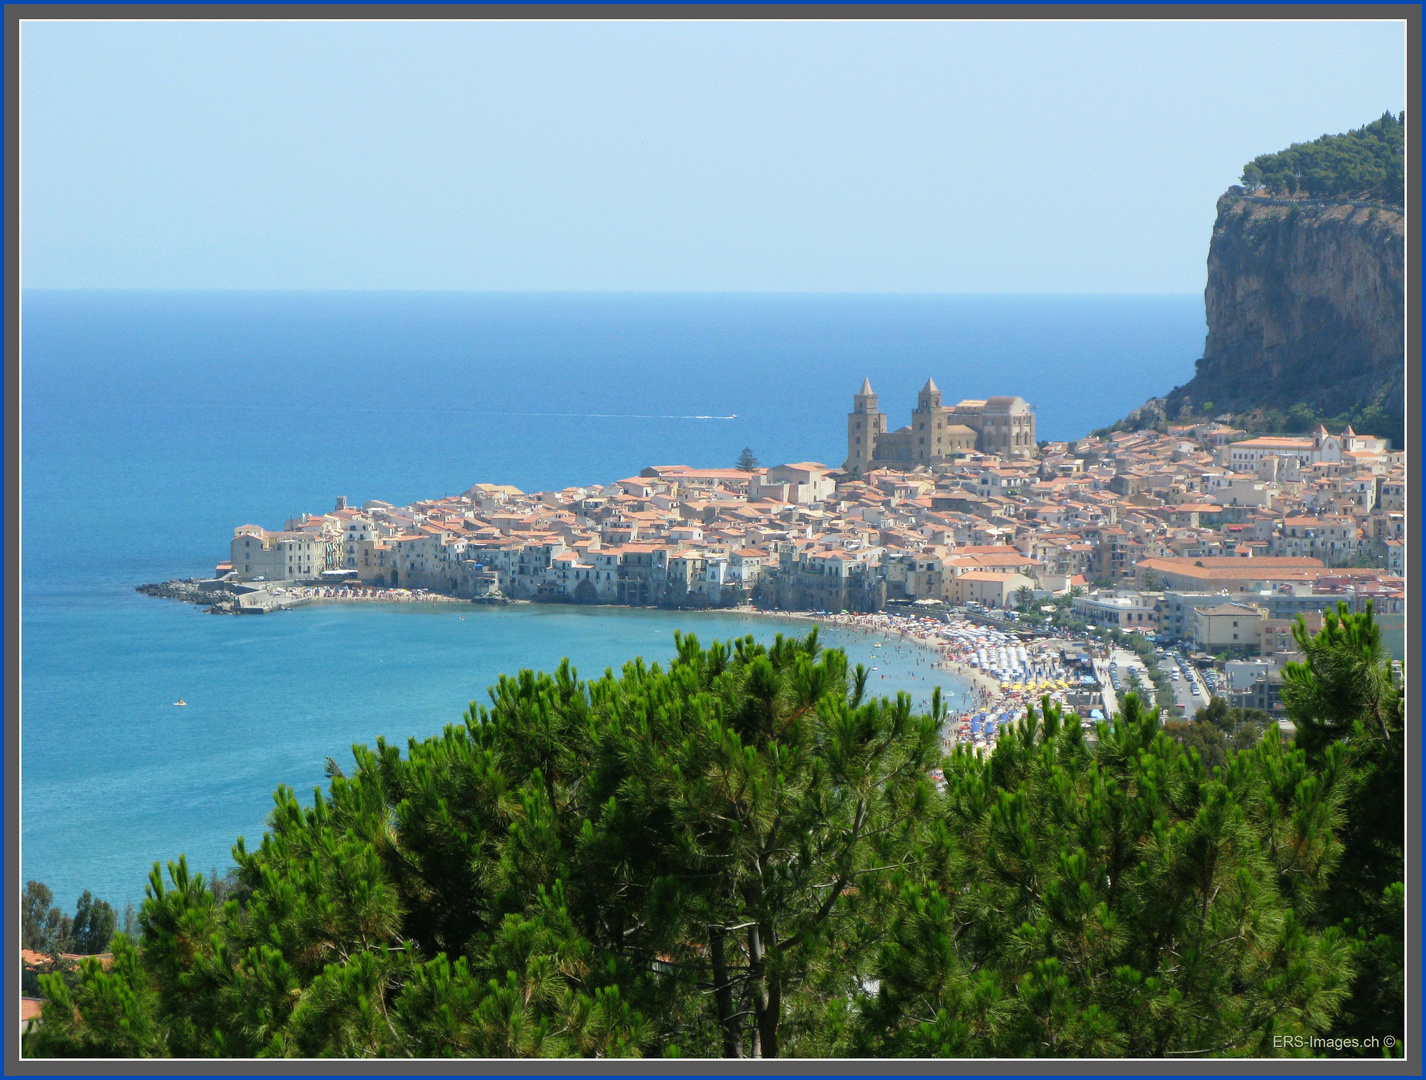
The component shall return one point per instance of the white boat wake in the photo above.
(480, 412)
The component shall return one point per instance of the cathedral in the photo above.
(937, 433)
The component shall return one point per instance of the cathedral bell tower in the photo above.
(864, 424)
(929, 399)
(928, 423)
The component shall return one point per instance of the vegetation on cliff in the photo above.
(1367, 163)
(742, 855)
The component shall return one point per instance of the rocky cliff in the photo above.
(1305, 304)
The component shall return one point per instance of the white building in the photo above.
(1126, 610)
(1245, 456)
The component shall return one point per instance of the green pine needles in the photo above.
(743, 854)
(1366, 163)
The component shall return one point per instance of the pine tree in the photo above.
(743, 854)
(747, 460)
(1113, 902)
(661, 862)
(1344, 697)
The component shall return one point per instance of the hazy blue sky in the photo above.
(804, 156)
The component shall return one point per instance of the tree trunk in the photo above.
(723, 996)
(767, 1000)
(771, 1017)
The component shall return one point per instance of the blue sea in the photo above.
(155, 422)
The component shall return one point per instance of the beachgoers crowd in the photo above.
(1006, 674)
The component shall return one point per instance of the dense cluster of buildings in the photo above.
(1198, 534)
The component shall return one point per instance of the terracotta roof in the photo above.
(1266, 562)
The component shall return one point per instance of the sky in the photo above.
(965, 157)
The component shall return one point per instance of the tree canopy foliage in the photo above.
(1218, 729)
(743, 855)
(1366, 163)
(45, 928)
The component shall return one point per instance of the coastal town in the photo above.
(1197, 535)
(1062, 714)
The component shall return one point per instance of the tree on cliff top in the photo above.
(1368, 163)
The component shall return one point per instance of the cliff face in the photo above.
(1305, 303)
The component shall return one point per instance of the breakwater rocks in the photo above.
(223, 597)
(212, 594)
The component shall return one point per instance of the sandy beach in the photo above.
(970, 652)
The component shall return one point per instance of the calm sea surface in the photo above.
(153, 423)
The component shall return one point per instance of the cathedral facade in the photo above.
(937, 433)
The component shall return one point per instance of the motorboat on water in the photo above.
(180, 701)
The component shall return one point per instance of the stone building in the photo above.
(1228, 626)
(259, 555)
(937, 433)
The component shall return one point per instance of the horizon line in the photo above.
(588, 292)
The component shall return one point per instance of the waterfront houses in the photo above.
(1150, 529)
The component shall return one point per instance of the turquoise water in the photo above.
(153, 423)
(118, 777)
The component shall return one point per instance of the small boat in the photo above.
(180, 701)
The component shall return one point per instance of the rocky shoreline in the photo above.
(220, 601)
